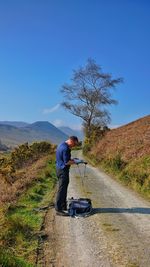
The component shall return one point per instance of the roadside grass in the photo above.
(137, 175)
(132, 264)
(134, 174)
(9, 260)
(19, 237)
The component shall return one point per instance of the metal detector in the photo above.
(80, 207)
(81, 161)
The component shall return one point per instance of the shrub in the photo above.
(86, 148)
(115, 163)
(23, 155)
(39, 148)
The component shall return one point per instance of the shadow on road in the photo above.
(138, 210)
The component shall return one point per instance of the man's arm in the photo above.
(67, 158)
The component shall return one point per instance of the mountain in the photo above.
(69, 131)
(47, 130)
(17, 124)
(38, 131)
(131, 141)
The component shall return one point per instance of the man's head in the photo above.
(72, 141)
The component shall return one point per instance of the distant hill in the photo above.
(3, 147)
(17, 124)
(69, 131)
(38, 131)
(131, 141)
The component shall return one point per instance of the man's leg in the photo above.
(63, 182)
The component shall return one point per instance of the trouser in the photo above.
(63, 181)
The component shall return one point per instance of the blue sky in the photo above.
(42, 41)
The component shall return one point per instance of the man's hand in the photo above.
(70, 162)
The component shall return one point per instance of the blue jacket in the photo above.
(63, 155)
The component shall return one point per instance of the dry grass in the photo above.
(125, 153)
(131, 141)
(21, 218)
(23, 178)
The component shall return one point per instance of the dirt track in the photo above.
(116, 234)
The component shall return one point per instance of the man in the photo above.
(63, 163)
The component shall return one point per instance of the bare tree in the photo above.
(88, 94)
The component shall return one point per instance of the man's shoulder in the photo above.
(63, 146)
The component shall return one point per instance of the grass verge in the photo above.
(135, 174)
(22, 222)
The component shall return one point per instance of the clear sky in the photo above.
(42, 41)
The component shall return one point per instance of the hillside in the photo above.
(69, 131)
(125, 153)
(3, 147)
(17, 124)
(38, 131)
(131, 141)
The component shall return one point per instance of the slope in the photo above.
(131, 141)
(12, 136)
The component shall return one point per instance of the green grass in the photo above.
(135, 174)
(23, 221)
(8, 260)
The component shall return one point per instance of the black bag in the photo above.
(79, 206)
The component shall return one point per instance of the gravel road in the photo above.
(116, 234)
